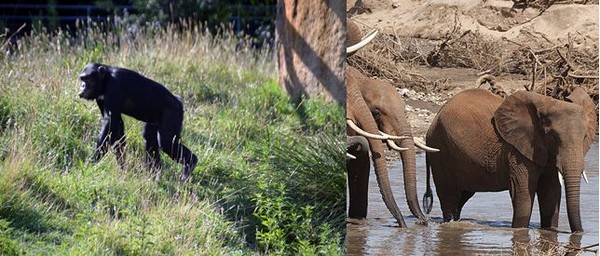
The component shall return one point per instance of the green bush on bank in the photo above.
(270, 177)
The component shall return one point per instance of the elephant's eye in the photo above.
(546, 122)
(376, 114)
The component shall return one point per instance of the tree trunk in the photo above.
(310, 36)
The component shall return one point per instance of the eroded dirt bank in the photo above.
(496, 37)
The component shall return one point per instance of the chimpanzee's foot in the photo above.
(185, 174)
(156, 173)
(188, 168)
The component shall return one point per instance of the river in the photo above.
(484, 229)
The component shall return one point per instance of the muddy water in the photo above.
(485, 228)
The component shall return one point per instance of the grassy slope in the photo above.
(270, 177)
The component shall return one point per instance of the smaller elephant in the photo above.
(520, 144)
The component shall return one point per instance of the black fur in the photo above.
(121, 91)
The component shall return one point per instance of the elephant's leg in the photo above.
(549, 199)
(523, 183)
(358, 177)
(522, 193)
(449, 201)
(522, 202)
(445, 186)
(464, 197)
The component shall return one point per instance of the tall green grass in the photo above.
(270, 179)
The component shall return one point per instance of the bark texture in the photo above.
(310, 36)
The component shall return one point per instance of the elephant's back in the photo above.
(468, 109)
(474, 101)
(464, 125)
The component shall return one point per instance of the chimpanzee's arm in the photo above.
(112, 129)
(117, 137)
(100, 104)
(102, 140)
(101, 146)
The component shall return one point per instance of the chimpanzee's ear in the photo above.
(102, 71)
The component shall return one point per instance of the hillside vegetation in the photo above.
(270, 178)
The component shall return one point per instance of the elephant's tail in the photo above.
(428, 196)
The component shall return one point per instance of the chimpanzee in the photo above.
(121, 91)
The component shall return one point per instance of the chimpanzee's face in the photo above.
(92, 81)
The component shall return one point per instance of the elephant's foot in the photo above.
(451, 217)
(421, 221)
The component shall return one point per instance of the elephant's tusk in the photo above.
(395, 147)
(421, 144)
(394, 137)
(561, 180)
(363, 41)
(348, 155)
(363, 132)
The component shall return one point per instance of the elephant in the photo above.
(520, 144)
(376, 110)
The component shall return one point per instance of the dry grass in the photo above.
(543, 247)
(388, 59)
(551, 66)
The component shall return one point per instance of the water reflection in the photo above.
(484, 230)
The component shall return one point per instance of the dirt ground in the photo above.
(425, 24)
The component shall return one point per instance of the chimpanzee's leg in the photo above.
(152, 147)
(170, 141)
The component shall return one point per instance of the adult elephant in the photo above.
(520, 144)
(376, 110)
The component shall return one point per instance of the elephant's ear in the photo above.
(582, 98)
(518, 123)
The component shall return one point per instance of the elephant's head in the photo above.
(389, 110)
(386, 120)
(551, 133)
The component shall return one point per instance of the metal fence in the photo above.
(13, 16)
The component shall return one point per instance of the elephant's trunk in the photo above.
(410, 178)
(572, 168)
(384, 181)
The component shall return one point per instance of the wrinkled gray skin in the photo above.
(519, 144)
